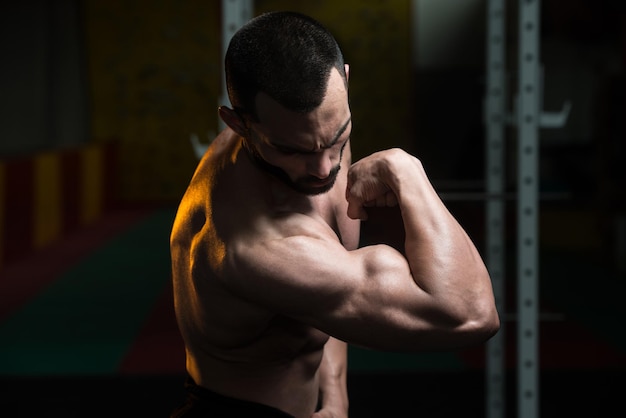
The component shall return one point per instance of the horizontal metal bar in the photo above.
(459, 184)
(544, 316)
(482, 196)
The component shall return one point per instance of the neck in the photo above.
(263, 165)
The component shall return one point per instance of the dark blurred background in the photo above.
(99, 102)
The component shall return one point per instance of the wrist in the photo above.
(402, 171)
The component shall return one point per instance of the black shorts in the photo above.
(204, 403)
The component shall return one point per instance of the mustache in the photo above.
(312, 179)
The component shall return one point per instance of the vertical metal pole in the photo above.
(527, 209)
(495, 255)
(235, 13)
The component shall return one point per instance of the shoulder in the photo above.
(280, 250)
(281, 237)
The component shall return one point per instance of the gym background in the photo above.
(99, 102)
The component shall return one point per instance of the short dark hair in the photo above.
(287, 55)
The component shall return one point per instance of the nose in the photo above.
(320, 164)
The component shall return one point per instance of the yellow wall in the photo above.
(155, 71)
(47, 213)
(92, 184)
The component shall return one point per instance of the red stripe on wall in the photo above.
(18, 211)
(158, 349)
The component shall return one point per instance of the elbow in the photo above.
(475, 323)
(485, 323)
(490, 325)
(482, 317)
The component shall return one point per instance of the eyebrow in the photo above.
(334, 141)
(339, 133)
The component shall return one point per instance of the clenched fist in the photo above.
(373, 180)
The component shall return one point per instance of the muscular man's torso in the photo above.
(234, 346)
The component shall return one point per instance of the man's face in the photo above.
(303, 150)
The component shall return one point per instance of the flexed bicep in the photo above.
(294, 275)
(365, 297)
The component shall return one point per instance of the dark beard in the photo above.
(302, 185)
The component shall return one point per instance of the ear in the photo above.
(233, 120)
(347, 67)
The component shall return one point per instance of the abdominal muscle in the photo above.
(279, 368)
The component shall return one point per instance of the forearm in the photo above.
(444, 262)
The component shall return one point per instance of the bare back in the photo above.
(237, 345)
